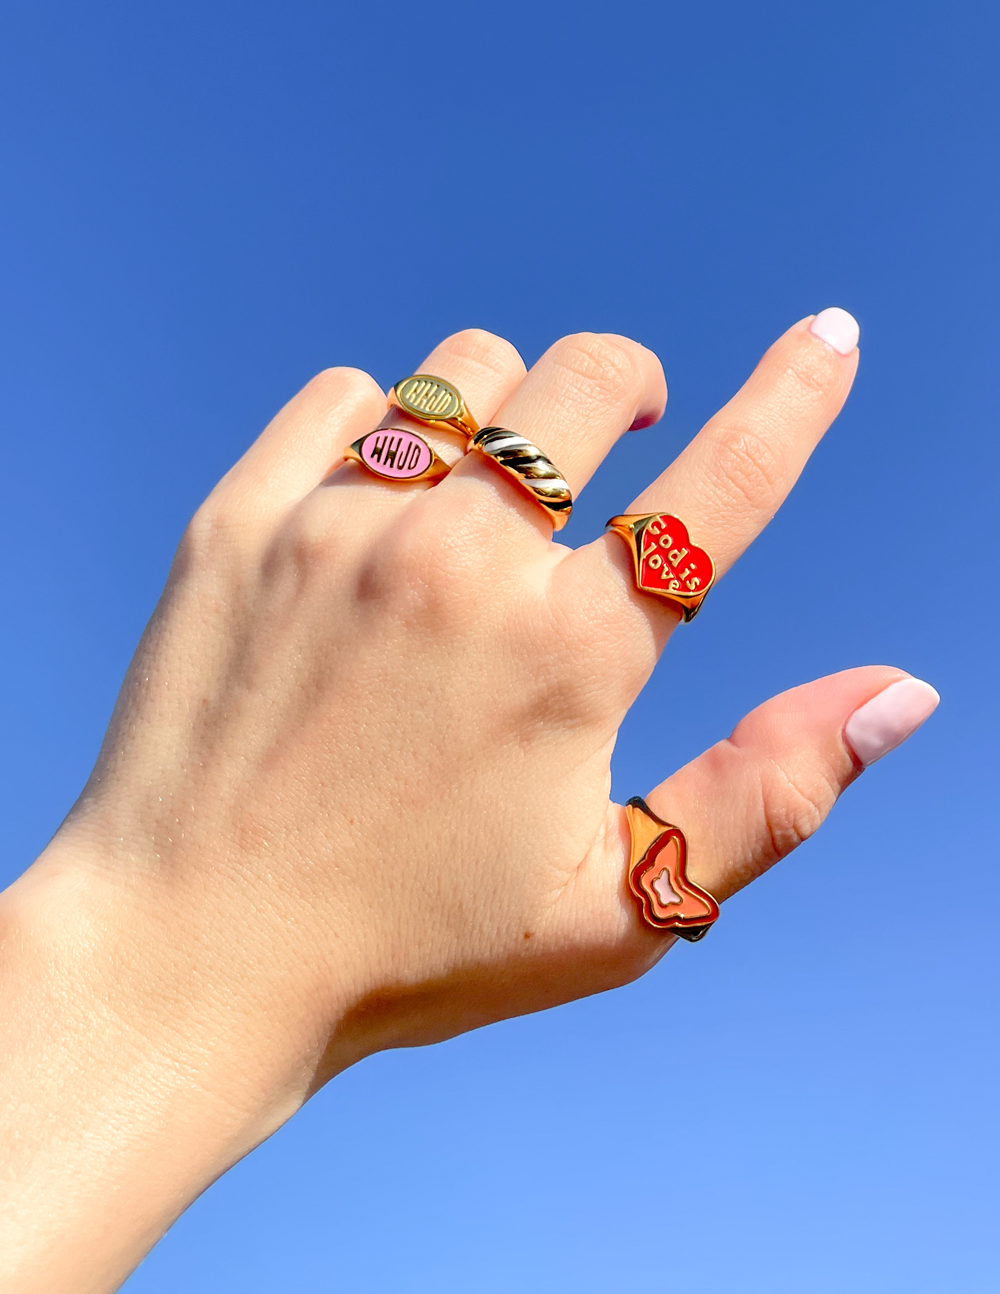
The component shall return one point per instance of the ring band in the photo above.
(528, 466)
(667, 564)
(397, 454)
(434, 401)
(657, 876)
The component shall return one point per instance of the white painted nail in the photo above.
(837, 328)
(885, 722)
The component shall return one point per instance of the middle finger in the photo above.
(584, 392)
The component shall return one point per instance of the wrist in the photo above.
(124, 1047)
(188, 963)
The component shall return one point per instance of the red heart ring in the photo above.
(667, 563)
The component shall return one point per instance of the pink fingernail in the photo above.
(885, 722)
(837, 328)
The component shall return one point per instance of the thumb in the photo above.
(751, 799)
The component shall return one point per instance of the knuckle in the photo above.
(414, 574)
(747, 467)
(599, 366)
(477, 348)
(344, 380)
(811, 374)
(215, 535)
(793, 808)
(308, 541)
(342, 389)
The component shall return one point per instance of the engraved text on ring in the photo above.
(669, 561)
(394, 453)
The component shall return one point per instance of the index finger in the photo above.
(734, 475)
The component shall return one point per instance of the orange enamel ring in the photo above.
(657, 876)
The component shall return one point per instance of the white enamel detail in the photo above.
(665, 892)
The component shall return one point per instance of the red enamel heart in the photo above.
(659, 881)
(668, 561)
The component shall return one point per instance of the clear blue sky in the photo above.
(203, 204)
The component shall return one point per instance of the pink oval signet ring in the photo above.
(396, 454)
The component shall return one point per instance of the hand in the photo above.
(355, 792)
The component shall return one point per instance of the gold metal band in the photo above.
(666, 562)
(531, 469)
(397, 454)
(433, 401)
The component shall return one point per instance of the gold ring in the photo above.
(667, 564)
(657, 876)
(528, 466)
(397, 454)
(434, 401)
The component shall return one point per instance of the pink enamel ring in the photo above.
(396, 454)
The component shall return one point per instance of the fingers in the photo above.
(306, 440)
(729, 481)
(726, 486)
(302, 442)
(484, 368)
(750, 800)
(732, 478)
(574, 404)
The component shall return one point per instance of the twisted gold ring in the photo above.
(531, 469)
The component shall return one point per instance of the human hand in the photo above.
(355, 792)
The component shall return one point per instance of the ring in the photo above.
(434, 401)
(666, 562)
(396, 454)
(657, 876)
(528, 466)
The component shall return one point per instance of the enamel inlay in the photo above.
(664, 891)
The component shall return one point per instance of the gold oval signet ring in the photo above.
(434, 401)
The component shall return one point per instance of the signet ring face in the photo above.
(434, 401)
(666, 562)
(657, 876)
(397, 454)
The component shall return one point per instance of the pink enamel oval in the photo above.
(394, 453)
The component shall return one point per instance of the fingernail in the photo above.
(837, 328)
(885, 722)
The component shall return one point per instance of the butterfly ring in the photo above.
(657, 876)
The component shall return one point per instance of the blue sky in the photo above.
(203, 204)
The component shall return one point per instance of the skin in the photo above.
(354, 794)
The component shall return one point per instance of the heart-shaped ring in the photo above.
(667, 564)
